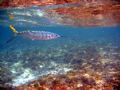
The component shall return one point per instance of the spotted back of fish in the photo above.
(39, 35)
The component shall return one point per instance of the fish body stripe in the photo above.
(39, 35)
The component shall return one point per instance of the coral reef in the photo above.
(74, 80)
(94, 67)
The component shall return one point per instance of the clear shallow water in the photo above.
(70, 34)
(23, 60)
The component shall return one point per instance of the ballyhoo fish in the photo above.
(35, 35)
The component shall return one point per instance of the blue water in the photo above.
(75, 34)
(27, 59)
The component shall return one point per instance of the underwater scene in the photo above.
(59, 45)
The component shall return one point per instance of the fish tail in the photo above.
(13, 29)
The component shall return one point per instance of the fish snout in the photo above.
(57, 35)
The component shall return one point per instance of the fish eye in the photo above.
(57, 35)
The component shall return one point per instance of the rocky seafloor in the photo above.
(68, 67)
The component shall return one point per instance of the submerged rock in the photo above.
(5, 76)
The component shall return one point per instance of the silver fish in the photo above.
(36, 35)
(39, 35)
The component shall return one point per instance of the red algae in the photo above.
(73, 80)
(93, 15)
(24, 3)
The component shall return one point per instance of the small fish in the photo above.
(35, 35)
(11, 17)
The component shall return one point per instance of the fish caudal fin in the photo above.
(13, 29)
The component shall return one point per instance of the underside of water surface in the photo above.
(86, 56)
